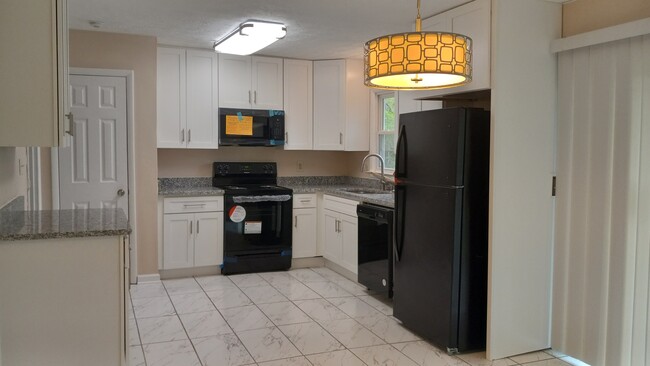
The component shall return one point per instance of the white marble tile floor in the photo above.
(302, 317)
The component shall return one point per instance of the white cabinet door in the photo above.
(33, 70)
(202, 99)
(473, 20)
(332, 239)
(235, 81)
(329, 104)
(350, 242)
(304, 233)
(208, 239)
(357, 108)
(170, 98)
(407, 103)
(298, 105)
(178, 245)
(267, 83)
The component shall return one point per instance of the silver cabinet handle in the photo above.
(249, 97)
(191, 224)
(189, 136)
(255, 97)
(295, 222)
(120, 192)
(183, 135)
(186, 205)
(70, 118)
(198, 228)
(305, 201)
(341, 138)
(286, 137)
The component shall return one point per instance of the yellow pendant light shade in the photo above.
(418, 60)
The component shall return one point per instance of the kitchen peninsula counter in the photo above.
(57, 224)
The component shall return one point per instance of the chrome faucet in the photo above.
(382, 178)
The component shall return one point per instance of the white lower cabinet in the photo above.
(304, 240)
(340, 227)
(192, 232)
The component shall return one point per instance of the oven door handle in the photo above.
(262, 198)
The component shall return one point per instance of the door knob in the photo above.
(120, 192)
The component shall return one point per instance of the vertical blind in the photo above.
(601, 281)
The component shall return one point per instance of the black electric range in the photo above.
(258, 217)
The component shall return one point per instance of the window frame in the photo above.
(377, 130)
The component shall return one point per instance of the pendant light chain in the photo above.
(418, 20)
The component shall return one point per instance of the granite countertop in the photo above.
(189, 191)
(383, 199)
(56, 224)
(336, 186)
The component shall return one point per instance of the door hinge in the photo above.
(553, 190)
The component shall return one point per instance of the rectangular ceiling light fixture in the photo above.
(250, 37)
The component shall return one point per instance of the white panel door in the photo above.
(178, 241)
(235, 81)
(208, 239)
(298, 105)
(304, 233)
(93, 171)
(331, 236)
(267, 83)
(329, 104)
(350, 246)
(170, 98)
(202, 100)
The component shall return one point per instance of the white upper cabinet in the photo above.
(298, 105)
(250, 82)
(34, 73)
(187, 99)
(341, 106)
(472, 20)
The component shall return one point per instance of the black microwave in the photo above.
(251, 127)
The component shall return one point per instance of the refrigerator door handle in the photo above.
(402, 150)
(400, 211)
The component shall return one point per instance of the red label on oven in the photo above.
(237, 213)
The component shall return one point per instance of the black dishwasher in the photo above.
(376, 248)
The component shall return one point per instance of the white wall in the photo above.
(522, 166)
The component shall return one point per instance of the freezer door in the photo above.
(427, 248)
(430, 148)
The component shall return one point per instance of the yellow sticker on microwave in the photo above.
(242, 126)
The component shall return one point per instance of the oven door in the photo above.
(257, 224)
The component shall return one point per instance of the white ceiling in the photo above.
(316, 29)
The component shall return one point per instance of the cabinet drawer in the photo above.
(304, 200)
(192, 204)
(342, 205)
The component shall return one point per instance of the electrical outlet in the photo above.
(300, 166)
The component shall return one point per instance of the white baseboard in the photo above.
(148, 278)
(342, 271)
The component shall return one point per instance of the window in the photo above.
(386, 130)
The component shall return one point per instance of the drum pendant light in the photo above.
(418, 60)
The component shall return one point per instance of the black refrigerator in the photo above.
(441, 226)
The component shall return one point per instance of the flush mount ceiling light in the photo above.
(250, 37)
(418, 60)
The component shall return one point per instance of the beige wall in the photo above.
(137, 53)
(12, 184)
(586, 15)
(198, 163)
